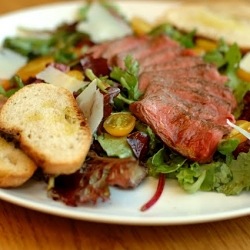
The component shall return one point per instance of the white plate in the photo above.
(174, 207)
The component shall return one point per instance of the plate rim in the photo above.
(146, 221)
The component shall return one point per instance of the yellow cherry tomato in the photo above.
(119, 124)
(76, 74)
(33, 67)
(235, 134)
(140, 26)
(244, 75)
(205, 44)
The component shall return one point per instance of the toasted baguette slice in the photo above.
(15, 166)
(49, 126)
(226, 19)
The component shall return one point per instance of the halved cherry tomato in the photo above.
(205, 44)
(140, 26)
(119, 124)
(235, 134)
(76, 74)
(244, 75)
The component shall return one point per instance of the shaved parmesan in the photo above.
(245, 62)
(10, 63)
(102, 26)
(58, 78)
(239, 129)
(90, 102)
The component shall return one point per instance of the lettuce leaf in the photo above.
(115, 146)
(191, 178)
(205, 177)
(240, 169)
(230, 179)
(217, 174)
(165, 162)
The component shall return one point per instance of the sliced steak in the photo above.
(203, 71)
(185, 100)
(157, 58)
(186, 108)
(176, 63)
(147, 49)
(203, 78)
(180, 130)
(192, 129)
(110, 49)
(203, 106)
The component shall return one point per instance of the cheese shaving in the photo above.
(239, 129)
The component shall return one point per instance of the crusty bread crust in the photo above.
(49, 126)
(227, 19)
(15, 166)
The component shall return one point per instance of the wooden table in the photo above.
(21, 228)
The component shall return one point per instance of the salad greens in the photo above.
(225, 174)
(115, 146)
(186, 40)
(17, 84)
(128, 78)
(58, 44)
(227, 59)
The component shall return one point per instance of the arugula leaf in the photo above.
(29, 46)
(128, 78)
(59, 44)
(186, 40)
(224, 56)
(227, 59)
(17, 84)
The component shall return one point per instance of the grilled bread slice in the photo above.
(15, 166)
(49, 126)
(226, 19)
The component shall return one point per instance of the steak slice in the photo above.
(178, 129)
(202, 78)
(202, 105)
(185, 100)
(175, 63)
(146, 49)
(203, 71)
(159, 57)
(186, 110)
(110, 49)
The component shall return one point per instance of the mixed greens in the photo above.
(229, 173)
